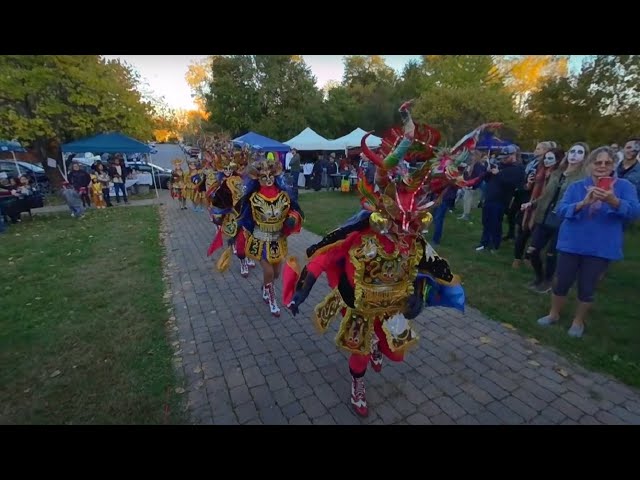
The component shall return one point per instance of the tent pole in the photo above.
(64, 164)
(15, 160)
(153, 178)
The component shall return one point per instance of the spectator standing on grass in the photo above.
(594, 211)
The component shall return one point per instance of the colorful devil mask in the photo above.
(400, 206)
(265, 171)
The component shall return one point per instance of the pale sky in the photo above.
(165, 73)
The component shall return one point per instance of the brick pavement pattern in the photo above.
(240, 365)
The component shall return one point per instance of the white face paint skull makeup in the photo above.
(549, 159)
(576, 154)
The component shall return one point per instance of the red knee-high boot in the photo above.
(357, 368)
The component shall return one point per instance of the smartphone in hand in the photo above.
(605, 183)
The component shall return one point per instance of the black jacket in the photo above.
(79, 179)
(502, 186)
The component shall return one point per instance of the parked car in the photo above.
(162, 175)
(35, 173)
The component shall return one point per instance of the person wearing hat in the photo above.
(502, 181)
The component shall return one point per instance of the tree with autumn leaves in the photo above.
(47, 100)
(533, 95)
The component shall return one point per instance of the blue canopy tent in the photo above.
(260, 142)
(107, 142)
(13, 147)
(488, 141)
(112, 142)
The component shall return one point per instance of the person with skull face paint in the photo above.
(536, 175)
(546, 221)
(593, 212)
(379, 265)
(269, 213)
(629, 167)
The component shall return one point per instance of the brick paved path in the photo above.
(241, 365)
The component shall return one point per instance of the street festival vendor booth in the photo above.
(110, 143)
(308, 140)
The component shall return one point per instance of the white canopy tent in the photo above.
(308, 139)
(352, 140)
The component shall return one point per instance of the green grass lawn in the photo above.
(82, 324)
(612, 340)
(53, 199)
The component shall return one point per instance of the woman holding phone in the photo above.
(594, 211)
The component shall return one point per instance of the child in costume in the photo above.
(380, 267)
(96, 192)
(177, 184)
(269, 213)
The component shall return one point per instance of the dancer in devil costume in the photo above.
(224, 194)
(378, 264)
(269, 213)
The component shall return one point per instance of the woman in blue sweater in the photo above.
(594, 211)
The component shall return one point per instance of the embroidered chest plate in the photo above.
(270, 213)
(236, 187)
(383, 281)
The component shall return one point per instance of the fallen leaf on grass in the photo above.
(27, 390)
(533, 340)
(180, 390)
(508, 325)
(55, 374)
